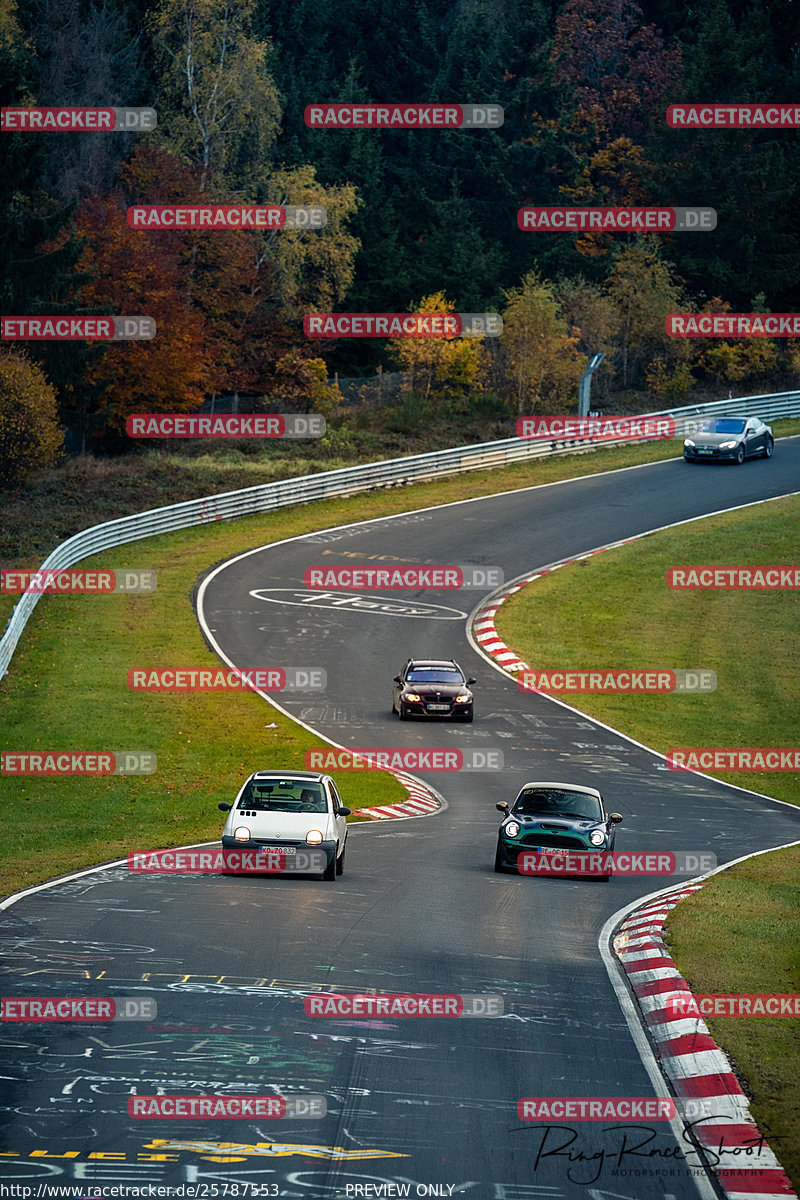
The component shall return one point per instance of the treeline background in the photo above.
(415, 220)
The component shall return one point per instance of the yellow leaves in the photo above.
(30, 436)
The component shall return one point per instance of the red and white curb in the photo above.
(698, 1071)
(483, 627)
(420, 801)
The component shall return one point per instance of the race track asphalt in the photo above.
(424, 1103)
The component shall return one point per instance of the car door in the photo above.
(340, 823)
(754, 439)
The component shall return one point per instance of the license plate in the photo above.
(705, 451)
(438, 708)
(277, 850)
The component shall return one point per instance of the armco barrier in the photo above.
(347, 481)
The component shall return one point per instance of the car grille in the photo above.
(552, 840)
(278, 842)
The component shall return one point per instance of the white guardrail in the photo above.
(347, 481)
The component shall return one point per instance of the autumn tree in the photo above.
(219, 105)
(30, 436)
(540, 352)
(644, 290)
(447, 367)
(621, 72)
(731, 360)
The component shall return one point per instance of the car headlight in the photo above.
(313, 837)
(727, 445)
(511, 829)
(465, 699)
(597, 837)
(242, 833)
(412, 696)
(688, 442)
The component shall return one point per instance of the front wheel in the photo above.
(499, 865)
(740, 456)
(340, 862)
(329, 874)
(768, 448)
(467, 717)
(403, 713)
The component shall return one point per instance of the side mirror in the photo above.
(501, 806)
(616, 817)
(342, 811)
(224, 807)
(472, 679)
(398, 679)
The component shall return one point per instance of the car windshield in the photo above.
(283, 795)
(537, 802)
(434, 675)
(727, 425)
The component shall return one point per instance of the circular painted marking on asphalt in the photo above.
(354, 602)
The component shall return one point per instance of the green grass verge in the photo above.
(615, 610)
(739, 935)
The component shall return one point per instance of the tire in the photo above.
(739, 456)
(468, 717)
(402, 712)
(499, 865)
(340, 862)
(604, 878)
(768, 448)
(329, 874)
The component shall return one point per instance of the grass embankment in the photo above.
(739, 934)
(615, 610)
(67, 685)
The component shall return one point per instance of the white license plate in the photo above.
(438, 708)
(277, 850)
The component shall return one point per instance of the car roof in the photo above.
(432, 662)
(570, 787)
(315, 776)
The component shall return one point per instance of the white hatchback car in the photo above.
(293, 810)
